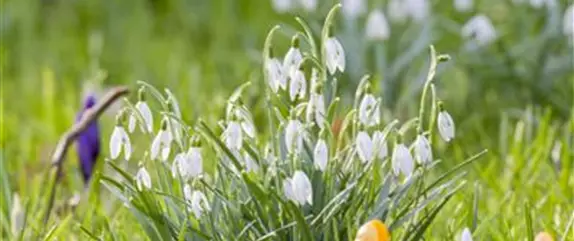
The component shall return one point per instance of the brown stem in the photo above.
(70, 135)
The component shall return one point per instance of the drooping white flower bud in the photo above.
(334, 54)
(365, 147)
(197, 201)
(480, 30)
(233, 135)
(380, 145)
(402, 161)
(143, 180)
(316, 109)
(445, 125)
(293, 57)
(195, 162)
(321, 155)
(161, 142)
(120, 141)
(466, 235)
(294, 136)
(298, 188)
(276, 76)
(297, 84)
(423, 151)
(369, 111)
(377, 26)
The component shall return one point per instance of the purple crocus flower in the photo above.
(88, 142)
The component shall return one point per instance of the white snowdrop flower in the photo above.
(377, 26)
(466, 235)
(402, 161)
(463, 6)
(480, 30)
(423, 151)
(365, 147)
(143, 180)
(418, 9)
(298, 188)
(445, 125)
(282, 6)
(161, 143)
(297, 85)
(250, 164)
(276, 76)
(17, 216)
(120, 141)
(321, 155)
(335, 54)
(233, 135)
(146, 114)
(369, 111)
(194, 162)
(397, 11)
(568, 22)
(294, 136)
(353, 8)
(316, 109)
(293, 57)
(198, 202)
(308, 5)
(380, 145)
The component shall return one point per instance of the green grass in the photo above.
(202, 51)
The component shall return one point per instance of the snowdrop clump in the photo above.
(292, 176)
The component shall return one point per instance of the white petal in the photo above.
(365, 147)
(187, 192)
(369, 111)
(132, 123)
(423, 151)
(246, 122)
(293, 136)
(146, 114)
(292, 60)
(402, 160)
(321, 155)
(316, 110)
(156, 145)
(195, 161)
(288, 190)
(466, 235)
(282, 6)
(143, 180)
(233, 136)
(330, 54)
(297, 85)
(380, 145)
(275, 74)
(165, 150)
(302, 188)
(127, 146)
(116, 142)
(176, 167)
(339, 55)
(445, 126)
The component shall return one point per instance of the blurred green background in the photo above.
(52, 50)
